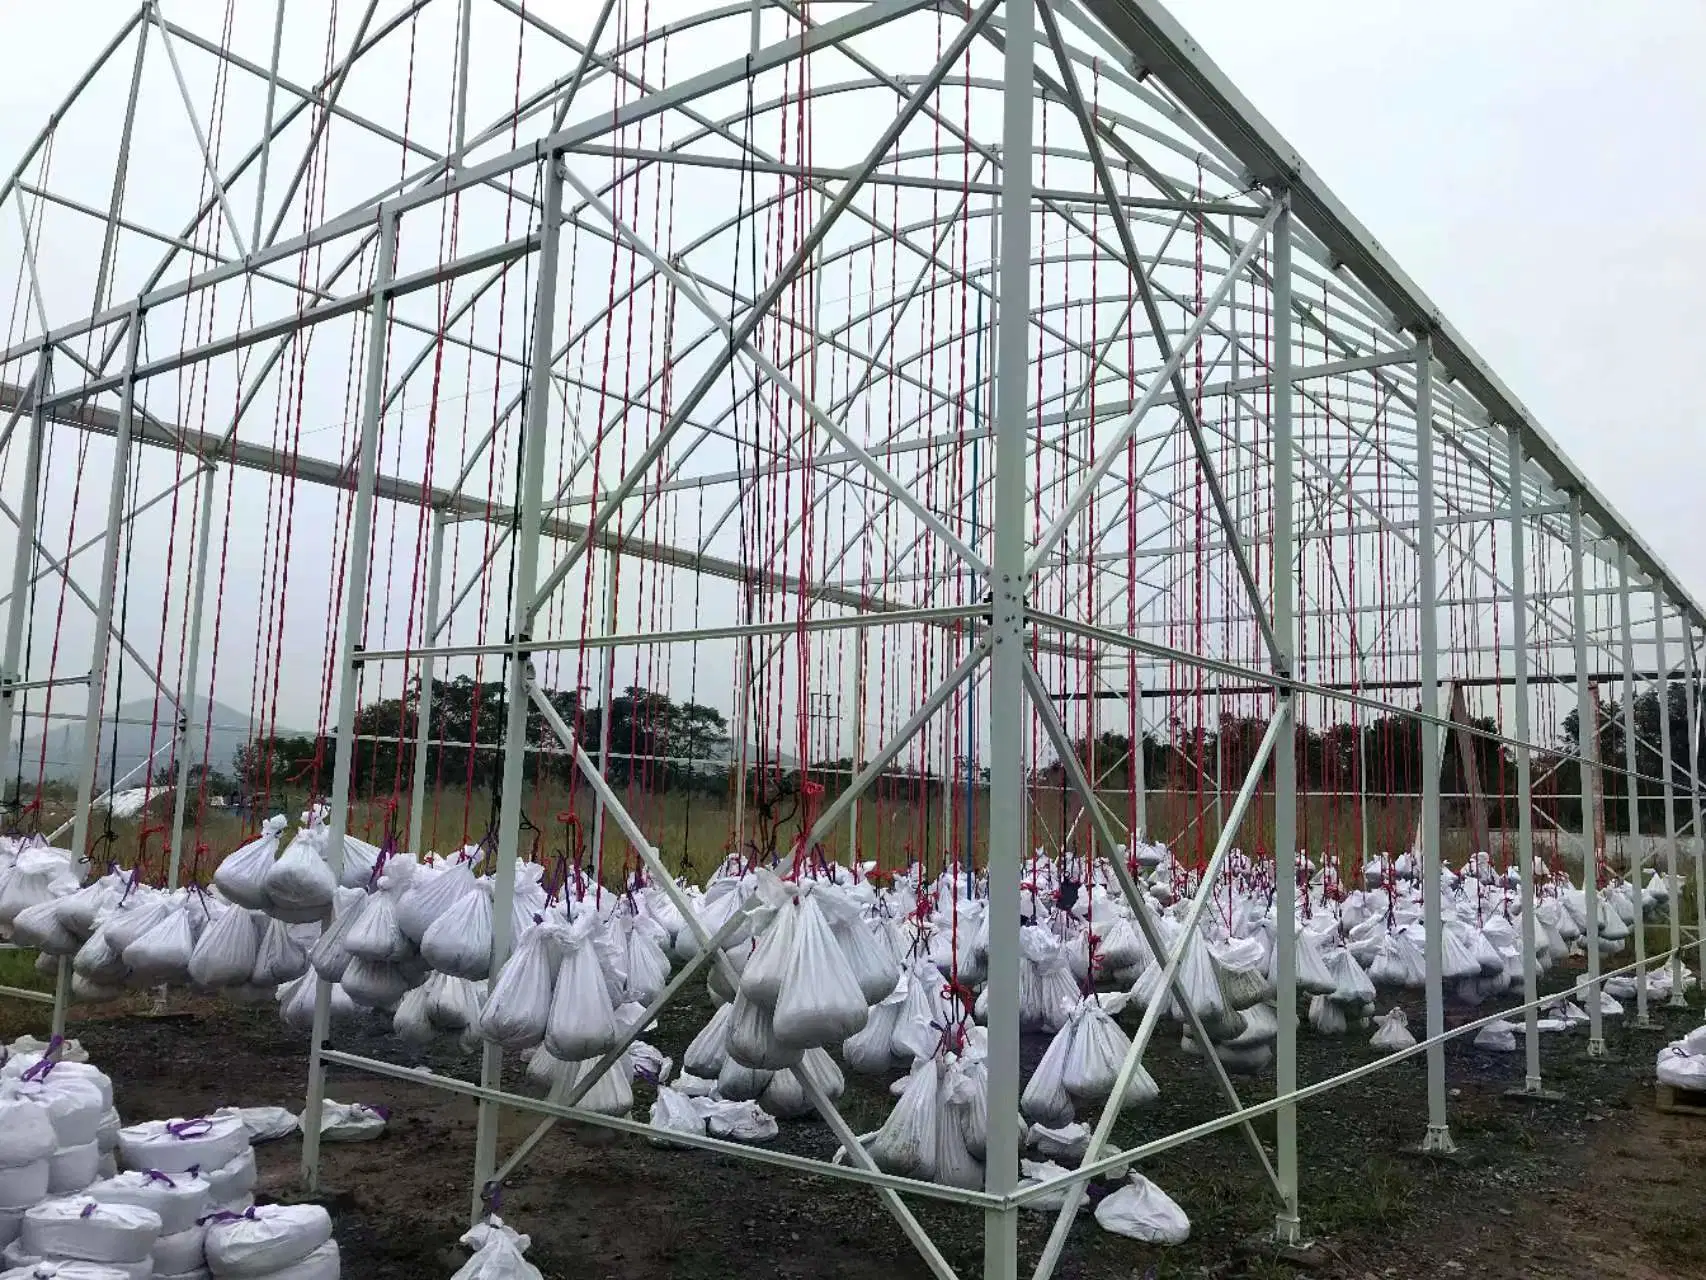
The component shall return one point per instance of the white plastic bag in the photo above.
(1393, 1033)
(498, 1254)
(1142, 1211)
(265, 1239)
(299, 886)
(519, 1006)
(582, 1022)
(76, 1227)
(906, 1143)
(162, 953)
(242, 877)
(1680, 1069)
(1498, 1037)
(177, 1199)
(459, 942)
(226, 952)
(351, 1121)
(820, 1002)
(1045, 1099)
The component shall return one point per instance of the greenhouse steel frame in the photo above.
(1416, 392)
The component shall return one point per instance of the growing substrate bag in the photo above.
(225, 954)
(459, 942)
(177, 1146)
(581, 1023)
(820, 1002)
(77, 1227)
(519, 1006)
(242, 877)
(1142, 1211)
(1393, 1033)
(178, 1200)
(265, 1239)
(299, 886)
(497, 1254)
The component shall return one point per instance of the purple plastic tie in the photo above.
(200, 1127)
(89, 1209)
(225, 1215)
(40, 1071)
(384, 1113)
(154, 1175)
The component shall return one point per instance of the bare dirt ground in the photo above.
(1599, 1185)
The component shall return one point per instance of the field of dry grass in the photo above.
(695, 831)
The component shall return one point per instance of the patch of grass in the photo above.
(1378, 1197)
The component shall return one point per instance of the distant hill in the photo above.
(65, 739)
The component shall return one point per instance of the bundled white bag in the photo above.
(454, 1004)
(1681, 1069)
(1097, 1051)
(77, 1227)
(278, 956)
(710, 1048)
(242, 877)
(26, 1130)
(497, 1254)
(1068, 1142)
(820, 1001)
(226, 952)
(375, 984)
(178, 1200)
(296, 1003)
(1045, 1099)
(430, 895)
(73, 1106)
(582, 1020)
(264, 1124)
(907, 1142)
(737, 1121)
(1327, 1016)
(752, 1038)
(299, 886)
(1393, 1033)
(375, 934)
(40, 876)
(674, 1112)
(350, 1121)
(39, 927)
(1142, 1211)
(459, 942)
(163, 952)
(329, 956)
(265, 1239)
(177, 1146)
(519, 1006)
(872, 1050)
(1498, 1037)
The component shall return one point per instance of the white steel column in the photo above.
(23, 564)
(1008, 587)
(853, 736)
(537, 431)
(1524, 760)
(109, 587)
(1287, 1223)
(192, 666)
(1438, 1136)
(1632, 793)
(1691, 681)
(1673, 886)
(423, 700)
(349, 661)
(1587, 745)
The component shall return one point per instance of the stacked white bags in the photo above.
(216, 1149)
(284, 1242)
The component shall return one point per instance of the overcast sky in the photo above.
(1520, 159)
(1515, 157)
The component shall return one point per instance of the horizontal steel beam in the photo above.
(280, 462)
